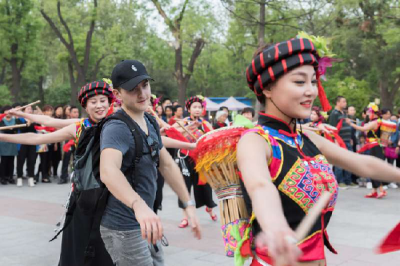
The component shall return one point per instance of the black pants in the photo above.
(7, 167)
(159, 195)
(55, 157)
(44, 165)
(65, 163)
(377, 151)
(202, 193)
(26, 153)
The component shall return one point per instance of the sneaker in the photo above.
(343, 186)
(371, 195)
(385, 187)
(62, 181)
(353, 185)
(393, 185)
(19, 182)
(11, 181)
(369, 185)
(382, 195)
(31, 182)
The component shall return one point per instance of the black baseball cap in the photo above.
(128, 74)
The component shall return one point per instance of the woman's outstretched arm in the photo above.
(45, 120)
(367, 127)
(65, 133)
(361, 165)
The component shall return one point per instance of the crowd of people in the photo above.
(358, 137)
(51, 155)
(278, 162)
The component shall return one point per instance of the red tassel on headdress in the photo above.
(322, 96)
(391, 242)
(111, 109)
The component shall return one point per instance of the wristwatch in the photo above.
(188, 203)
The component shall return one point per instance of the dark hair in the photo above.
(169, 107)
(223, 107)
(6, 108)
(385, 111)
(175, 108)
(338, 98)
(248, 110)
(47, 107)
(74, 107)
(166, 99)
(317, 110)
(16, 105)
(55, 109)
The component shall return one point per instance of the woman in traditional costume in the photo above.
(284, 171)
(374, 147)
(197, 127)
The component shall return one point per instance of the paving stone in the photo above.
(28, 217)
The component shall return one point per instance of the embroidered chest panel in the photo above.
(305, 182)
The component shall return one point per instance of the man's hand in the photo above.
(150, 223)
(193, 221)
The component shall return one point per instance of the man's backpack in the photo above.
(81, 242)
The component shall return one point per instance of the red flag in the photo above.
(173, 133)
(2, 116)
(391, 242)
(67, 146)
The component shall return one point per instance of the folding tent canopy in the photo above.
(233, 104)
(211, 106)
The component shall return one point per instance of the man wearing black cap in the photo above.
(130, 229)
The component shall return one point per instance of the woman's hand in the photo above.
(280, 243)
(14, 112)
(324, 128)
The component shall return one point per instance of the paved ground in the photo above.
(28, 217)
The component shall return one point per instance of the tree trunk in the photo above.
(386, 99)
(261, 42)
(261, 27)
(41, 91)
(3, 74)
(179, 74)
(72, 83)
(15, 72)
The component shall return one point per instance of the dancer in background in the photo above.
(202, 193)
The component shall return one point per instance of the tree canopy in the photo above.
(49, 49)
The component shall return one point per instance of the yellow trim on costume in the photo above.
(308, 237)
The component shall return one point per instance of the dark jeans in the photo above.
(7, 167)
(55, 157)
(343, 176)
(65, 163)
(26, 153)
(44, 165)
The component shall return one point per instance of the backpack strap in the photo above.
(135, 130)
(90, 251)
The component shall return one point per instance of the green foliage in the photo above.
(58, 95)
(364, 35)
(5, 96)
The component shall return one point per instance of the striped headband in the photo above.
(280, 58)
(192, 100)
(92, 89)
